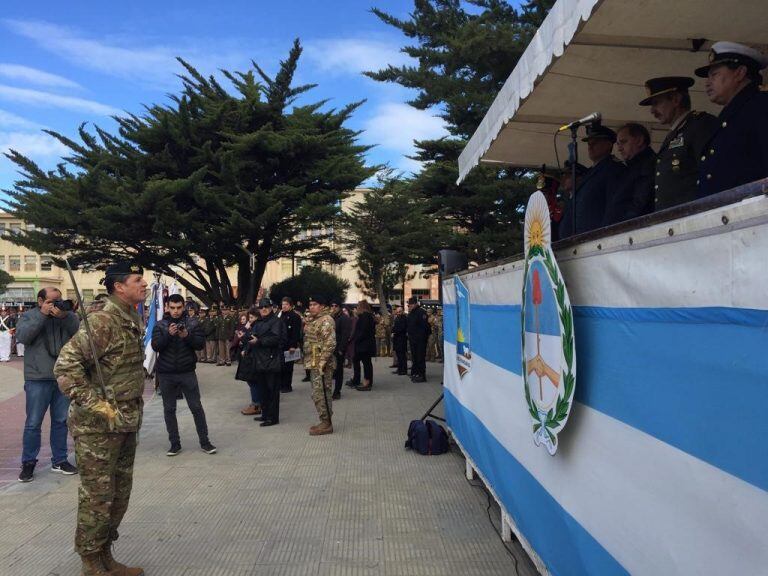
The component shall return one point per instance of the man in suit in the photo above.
(400, 341)
(293, 327)
(737, 153)
(595, 187)
(418, 334)
(633, 194)
(677, 162)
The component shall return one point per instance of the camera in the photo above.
(180, 326)
(64, 305)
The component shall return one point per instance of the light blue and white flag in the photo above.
(155, 314)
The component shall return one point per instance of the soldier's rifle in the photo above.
(88, 332)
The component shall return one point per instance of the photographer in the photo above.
(176, 338)
(44, 331)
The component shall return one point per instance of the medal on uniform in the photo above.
(677, 142)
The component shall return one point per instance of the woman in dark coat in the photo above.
(267, 340)
(245, 365)
(365, 343)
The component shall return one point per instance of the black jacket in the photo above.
(592, 195)
(417, 324)
(737, 153)
(365, 335)
(176, 355)
(633, 194)
(400, 329)
(343, 332)
(292, 323)
(266, 354)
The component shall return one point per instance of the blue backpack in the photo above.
(427, 437)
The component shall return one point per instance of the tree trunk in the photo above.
(381, 294)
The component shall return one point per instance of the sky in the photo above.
(65, 63)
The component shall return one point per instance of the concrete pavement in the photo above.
(273, 500)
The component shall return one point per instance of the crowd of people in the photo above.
(700, 155)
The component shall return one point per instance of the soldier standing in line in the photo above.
(104, 417)
(212, 339)
(319, 348)
(209, 328)
(677, 162)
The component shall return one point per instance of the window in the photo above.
(19, 295)
(2, 262)
(285, 267)
(30, 263)
(87, 295)
(15, 227)
(14, 263)
(46, 263)
(2, 229)
(31, 227)
(420, 293)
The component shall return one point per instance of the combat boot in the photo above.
(321, 430)
(93, 565)
(114, 567)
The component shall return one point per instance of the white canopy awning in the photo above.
(595, 56)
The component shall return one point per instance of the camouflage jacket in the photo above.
(320, 342)
(117, 336)
(225, 329)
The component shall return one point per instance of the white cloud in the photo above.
(134, 59)
(49, 100)
(353, 56)
(32, 144)
(35, 76)
(395, 126)
(11, 121)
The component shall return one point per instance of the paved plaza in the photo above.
(273, 500)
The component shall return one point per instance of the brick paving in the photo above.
(273, 500)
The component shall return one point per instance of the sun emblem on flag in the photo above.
(538, 230)
(548, 350)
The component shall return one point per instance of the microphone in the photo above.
(594, 117)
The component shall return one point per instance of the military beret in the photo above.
(320, 299)
(264, 303)
(664, 85)
(595, 131)
(123, 268)
(336, 302)
(733, 53)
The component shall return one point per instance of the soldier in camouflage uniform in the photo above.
(319, 347)
(105, 427)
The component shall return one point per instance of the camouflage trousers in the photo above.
(106, 477)
(323, 403)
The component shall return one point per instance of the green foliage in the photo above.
(387, 229)
(465, 52)
(200, 183)
(5, 281)
(310, 281)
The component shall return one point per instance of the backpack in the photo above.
(427, 437)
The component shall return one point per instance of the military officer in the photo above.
(104, 426)
(737, 153)
(677, 161)
(319, 347)
(595, 187)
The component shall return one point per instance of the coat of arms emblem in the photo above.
(549, 359)
(463, 354)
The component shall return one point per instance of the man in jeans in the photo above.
(44, 331)
(176, 338)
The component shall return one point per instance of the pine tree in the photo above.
(310, 281)
(387, 229)
(216, 178)
(465, 54)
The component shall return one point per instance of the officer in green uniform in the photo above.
(677, 162)
(206, 321)
(319, 347)
(105, 417)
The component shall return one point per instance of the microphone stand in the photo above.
(573, 148)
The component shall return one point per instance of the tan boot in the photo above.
(322, 430)
(93, 566)
(115, 568)
(315, 427)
